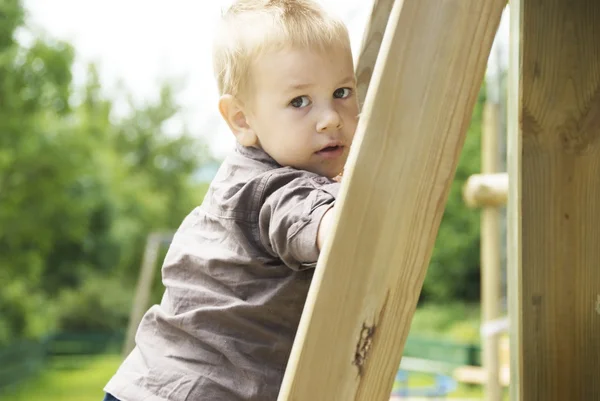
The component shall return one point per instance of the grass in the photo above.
(458, 322)
(84, 380)
(81, 383)
(427, 380)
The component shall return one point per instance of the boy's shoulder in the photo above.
(249, 176)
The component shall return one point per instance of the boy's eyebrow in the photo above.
(351, 79)
(300, 86)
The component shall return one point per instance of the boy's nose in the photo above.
(330, 120)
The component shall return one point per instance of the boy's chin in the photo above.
(331, 172)
(335, 175)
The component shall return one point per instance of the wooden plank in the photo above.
(426, 365)
(554, 200)
(513, 208)
(478, 375)
(368, 279)
(143, 290)
(491, 283)
(370, 46)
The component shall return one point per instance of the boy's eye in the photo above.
(342, 93)
(300, 101)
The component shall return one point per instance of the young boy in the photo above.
(240, 265)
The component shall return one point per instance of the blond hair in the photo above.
(250, 27)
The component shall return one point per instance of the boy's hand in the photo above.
(326, 220)
(324, 228)
(339, 177)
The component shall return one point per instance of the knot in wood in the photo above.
(363, 346)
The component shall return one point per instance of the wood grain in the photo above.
(369, 277)
(491, 277)
(371, 43)
(555, 195)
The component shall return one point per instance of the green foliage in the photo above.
(456, 321)
(100, 303)
(453, 273)
(79, 188)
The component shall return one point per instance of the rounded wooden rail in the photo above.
(486, 190)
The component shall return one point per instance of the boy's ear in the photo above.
(234, 114)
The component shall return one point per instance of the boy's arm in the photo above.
(326, 221)
(324, 228)
(295, 217)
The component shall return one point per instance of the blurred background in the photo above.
(109, 131)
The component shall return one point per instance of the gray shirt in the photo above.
(236, 276)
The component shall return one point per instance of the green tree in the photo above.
(79, 188)
(34, 85)
(453, 273)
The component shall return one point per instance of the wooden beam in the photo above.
(143, 290)
(554, 200)
(371, 44)
(491, 283)
(486, 190)
(366, 286)
(478, 375)
(513, 208)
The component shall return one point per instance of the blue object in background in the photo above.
(442, 386)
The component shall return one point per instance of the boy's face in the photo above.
(303, 108)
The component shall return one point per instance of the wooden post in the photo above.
(370, 46)
(554, 200)
(491, 282)
(144, 288)
(368, 279)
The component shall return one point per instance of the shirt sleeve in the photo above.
(290, 215)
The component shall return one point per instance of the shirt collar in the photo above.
(255, 154)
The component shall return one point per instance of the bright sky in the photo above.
(141, 41)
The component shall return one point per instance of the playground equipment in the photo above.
(554, 127)
(489, 191)
(428, 71)
(424, 84)
(423, 62)
(553, 209)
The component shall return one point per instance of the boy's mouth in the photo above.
(331, 152)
